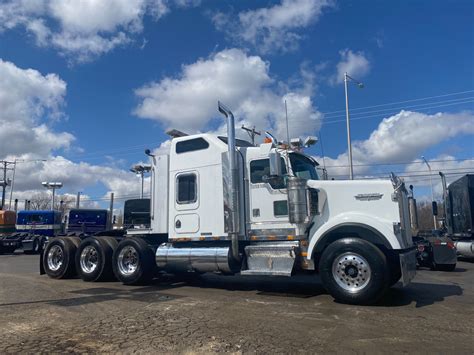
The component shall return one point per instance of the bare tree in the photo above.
(42, 201)
(425, 215)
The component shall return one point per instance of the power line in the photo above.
(459, 100)
(402, 102)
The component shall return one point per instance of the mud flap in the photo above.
(408, 266)
(42, 272)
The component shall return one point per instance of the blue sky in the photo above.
(122, 72)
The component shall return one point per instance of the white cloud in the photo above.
(29, 101)
(82, 30)
(403, 137)
(453, 169)
(276, 28)
(189, 101)
(355, 64)
(30, 104)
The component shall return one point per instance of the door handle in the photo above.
(178, 224)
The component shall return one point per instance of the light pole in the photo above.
(53, 186)
(347, 77)
(141, 170)
(431, 184)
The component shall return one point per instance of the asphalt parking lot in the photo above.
(231, 314)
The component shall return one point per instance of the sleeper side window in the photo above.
(191, 145)
(187, 189)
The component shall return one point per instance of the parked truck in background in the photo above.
(435, 249)
(136, 214)
(222, 205)
(459, 213)
(87, 222)
(7, 227)
(31, 231)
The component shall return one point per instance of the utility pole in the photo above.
(347, 77)
(111, 212)
(78, 200)
(252, 133)
(4, 183)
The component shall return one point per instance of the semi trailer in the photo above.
(223, 205)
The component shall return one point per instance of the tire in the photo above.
(94, 260)
(58, 258)
(36, 247)
(395, 274)
(134, 262)
(344, 266)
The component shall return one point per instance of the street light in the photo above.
(431, 184)
(52, 186)
(360, 86)
(141, 170)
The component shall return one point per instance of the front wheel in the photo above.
(354, 271)
(134, 262)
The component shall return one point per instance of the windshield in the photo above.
(303, 167)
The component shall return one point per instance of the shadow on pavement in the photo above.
(102, 294)
(423, 294)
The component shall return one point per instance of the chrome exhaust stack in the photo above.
(234, 184)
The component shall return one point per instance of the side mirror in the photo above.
(275, 164)
(434, 207)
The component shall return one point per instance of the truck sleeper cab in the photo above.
(87, 221)
(222, 205)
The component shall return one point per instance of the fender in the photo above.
(382, 227)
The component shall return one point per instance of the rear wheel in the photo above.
(94, 260)
(133, 262)
(354, 271)
(58, 258)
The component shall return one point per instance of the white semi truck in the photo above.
(222, 205)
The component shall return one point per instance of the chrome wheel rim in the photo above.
(55, 258)
(128, 260)
(351, 272)
(89, 259)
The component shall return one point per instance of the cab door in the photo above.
(268, 200)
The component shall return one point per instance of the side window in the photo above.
(191, 145)
(187, 189)
(261, 168)
(280, 208)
